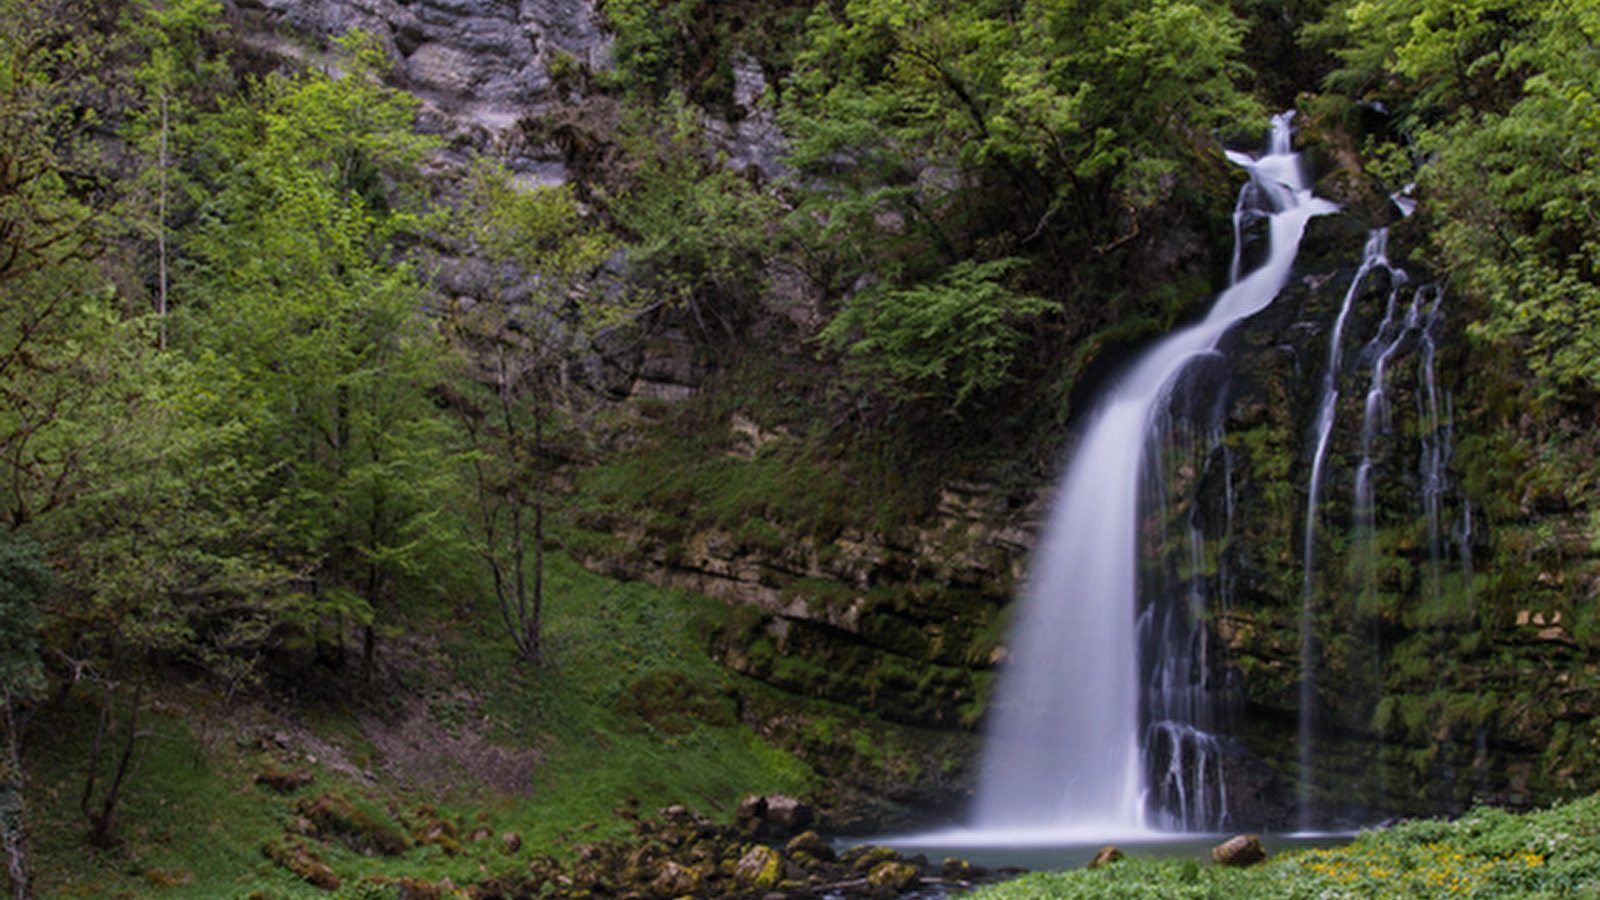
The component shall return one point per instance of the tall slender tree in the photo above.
(24, 579)
(516, 349)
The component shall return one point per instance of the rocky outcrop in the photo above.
(479, 66)
(492, 56)
(900, 625)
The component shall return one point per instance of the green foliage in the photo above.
(1488, 854)
(306, 337)
(1087, 106)
(953, 337)
(1448, 55)
(691, 46)
(515, 352)
(25, 577)
(700, 234)
(57, 315)
(1500, 101)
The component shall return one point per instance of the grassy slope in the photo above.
(632, 710)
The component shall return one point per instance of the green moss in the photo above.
(759, 534)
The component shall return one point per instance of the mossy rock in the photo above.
(759, 869)
(300, 857)
(893, 876)
(864, 859)
(362, 825)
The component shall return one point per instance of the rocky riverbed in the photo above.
(769, 852)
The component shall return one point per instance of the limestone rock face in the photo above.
(487, 59)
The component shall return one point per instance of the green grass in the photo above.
(1487, 855)
(632, 712)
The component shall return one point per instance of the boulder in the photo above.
(955, 869)
(1243, 850)
(892, 875)
(1105, 857)
(788, 815)
(759, 869)
(812, 843)
(674, 880)
(777, 816)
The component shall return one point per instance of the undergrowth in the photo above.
(632, 713)
(1487, 855)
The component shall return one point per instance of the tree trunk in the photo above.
(102, 822)
(13, 810)
(161, 231)
(536, 616)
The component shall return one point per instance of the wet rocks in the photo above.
(774, 816)
(677, 853)
(681, 853)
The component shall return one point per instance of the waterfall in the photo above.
(1064, 750)
(1373, 258)
(1436, 450)
(1416, 328)
(1375, 420)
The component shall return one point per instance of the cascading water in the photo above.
(1373, 259)
(1186, 708)
(1064, 753)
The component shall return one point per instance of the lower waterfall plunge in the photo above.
(1065, 750)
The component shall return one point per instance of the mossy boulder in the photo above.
(759, 869)
(676, 880)
(863, 859)
(361, 824)
(303, 859)
(812, 844)
(893, 875)
(1106, 857)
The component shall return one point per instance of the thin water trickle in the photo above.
(1064, 752)
(1373, 258)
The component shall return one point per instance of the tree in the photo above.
(950, 338)
(52, 315)
(173, 71)
(1007, 147)
(1499, 99)
(953, 121)
(699, 235)
(517, 349)
(25, 578)
(307, 321)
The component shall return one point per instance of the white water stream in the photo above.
(1064, 753)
